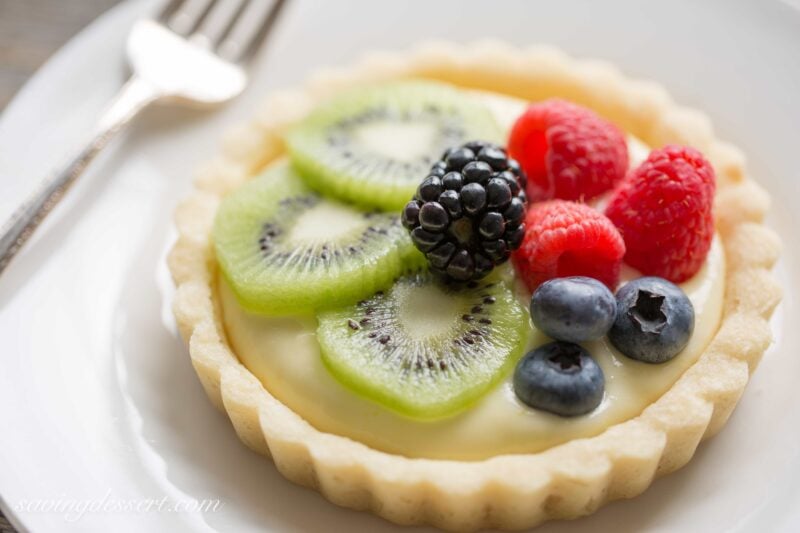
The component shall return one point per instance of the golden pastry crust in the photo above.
(510, 491)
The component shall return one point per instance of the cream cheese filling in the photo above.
(283, 353)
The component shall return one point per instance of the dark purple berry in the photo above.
(461, 266)
(483, 265)
(492, 225)
(515, 212)
(468, 214)
(496, 250)
(410, 217)
(430, 189)
(459, 157)
(440, 255)
(438, 169)
(476, 172)
(424, 240)
(451, 201)
(453, 181)
(476, 146)
(437, 270)
(433, 217)
(498, 193)
(473, 198)
(514, 237)
(461, 230)
(511, 180)
(494, 157)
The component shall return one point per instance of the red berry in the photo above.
(567, 151)
(568, 239)
(663, 210)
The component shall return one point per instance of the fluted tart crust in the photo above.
(506, 491)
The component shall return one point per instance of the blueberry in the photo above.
(655, 320)
(477, 172)
(429, 189)
(574, 309)
(433, 217)
(456, 159)
(410, 216)
(559, 377)
(473, 197)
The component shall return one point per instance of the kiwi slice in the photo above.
(374, 145)
(284, 249)
(425, 349)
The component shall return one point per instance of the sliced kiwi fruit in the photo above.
(425, 349)
(284, 249)
(374, 145)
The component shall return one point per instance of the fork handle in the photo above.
(134, 96)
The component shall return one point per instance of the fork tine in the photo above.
(188, 16)
(216, 22)
(251, 28)
(168, 9)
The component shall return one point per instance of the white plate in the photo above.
(98, 401)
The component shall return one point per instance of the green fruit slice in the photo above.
(374, 145)
(284, 249)
(424, 349)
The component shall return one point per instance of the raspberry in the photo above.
(663, 210)
(568, 239)
(467, 215)
(567, 151)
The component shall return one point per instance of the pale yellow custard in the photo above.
(283, 353)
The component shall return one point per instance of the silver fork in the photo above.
(192, 53)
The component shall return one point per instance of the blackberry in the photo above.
(467, 214)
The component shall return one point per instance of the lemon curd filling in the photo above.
(284, 354)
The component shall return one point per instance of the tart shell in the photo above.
(506, 491)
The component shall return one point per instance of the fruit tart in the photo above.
(475, 286)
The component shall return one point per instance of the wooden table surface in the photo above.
(30, 32)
